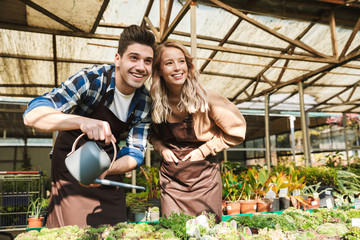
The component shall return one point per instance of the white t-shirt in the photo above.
(120, 105)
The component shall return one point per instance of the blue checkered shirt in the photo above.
(82, 93)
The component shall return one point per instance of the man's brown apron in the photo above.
(189, 186)
(73, 204)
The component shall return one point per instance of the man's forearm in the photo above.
(122, 165)
(49, 120)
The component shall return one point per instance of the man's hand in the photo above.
(97, 130)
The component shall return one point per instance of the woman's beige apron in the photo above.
(189, 186)
(73, 204)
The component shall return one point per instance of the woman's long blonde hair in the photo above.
(193, 97)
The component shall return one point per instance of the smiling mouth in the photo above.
(177, 76)
(137, 75)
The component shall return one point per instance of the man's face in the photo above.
(133, 68)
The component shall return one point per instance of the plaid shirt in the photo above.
(82, 93)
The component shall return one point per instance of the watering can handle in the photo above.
(80, 136)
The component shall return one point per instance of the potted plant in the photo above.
(295, 185)
(231, 191)
(263, 203)
(154, 213)
(312, 193)
(35, 218)
(249, 191)
(279, 182)
(153, 184)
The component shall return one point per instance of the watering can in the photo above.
(89, 161)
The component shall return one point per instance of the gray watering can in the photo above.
(89, 161)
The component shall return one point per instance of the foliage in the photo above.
(295, 184)
(313, 190)
(280, 182)
(331, 215)
(348, 184)
(326, 175)
(176, 222)
(231, 185)
(291, 224)
(256, 183)
(353, 233)
(137, 201)
(332, 230)
(153, 183)
(36, 207)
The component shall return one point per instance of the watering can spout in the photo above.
(117, 184)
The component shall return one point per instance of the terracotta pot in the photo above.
(35, 222)
(248, 206)
(313, 202)
(263, 205)
(233, 208)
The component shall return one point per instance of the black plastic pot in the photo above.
(284, 203)
(275, 206)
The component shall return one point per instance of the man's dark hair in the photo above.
(135, 34)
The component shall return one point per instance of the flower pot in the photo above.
(312, 202)
(284, 203)
(264, 205)
(233, 208)
(248, 206)
(154, 216)
(35, 222)
(275, 206)
(139, 216)
(156, 202)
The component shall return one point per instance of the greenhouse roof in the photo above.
(244, 49)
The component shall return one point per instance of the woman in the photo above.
(190, 126)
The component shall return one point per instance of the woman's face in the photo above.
(173, 67)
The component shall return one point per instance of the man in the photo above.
(103, 102)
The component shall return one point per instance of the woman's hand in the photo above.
(195, 155)
(168, 155)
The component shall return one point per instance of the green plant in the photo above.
(295, 185)
(176, 222)
(152, 180)
(255, 183)
(35, 207)
(313, 190)
(348, 185)
(332, 230)
(326, 175)
(353, 234)
(279, 182)
(231, 185)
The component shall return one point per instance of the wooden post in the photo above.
(304, 127)
(267, 133)
(193, 30)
